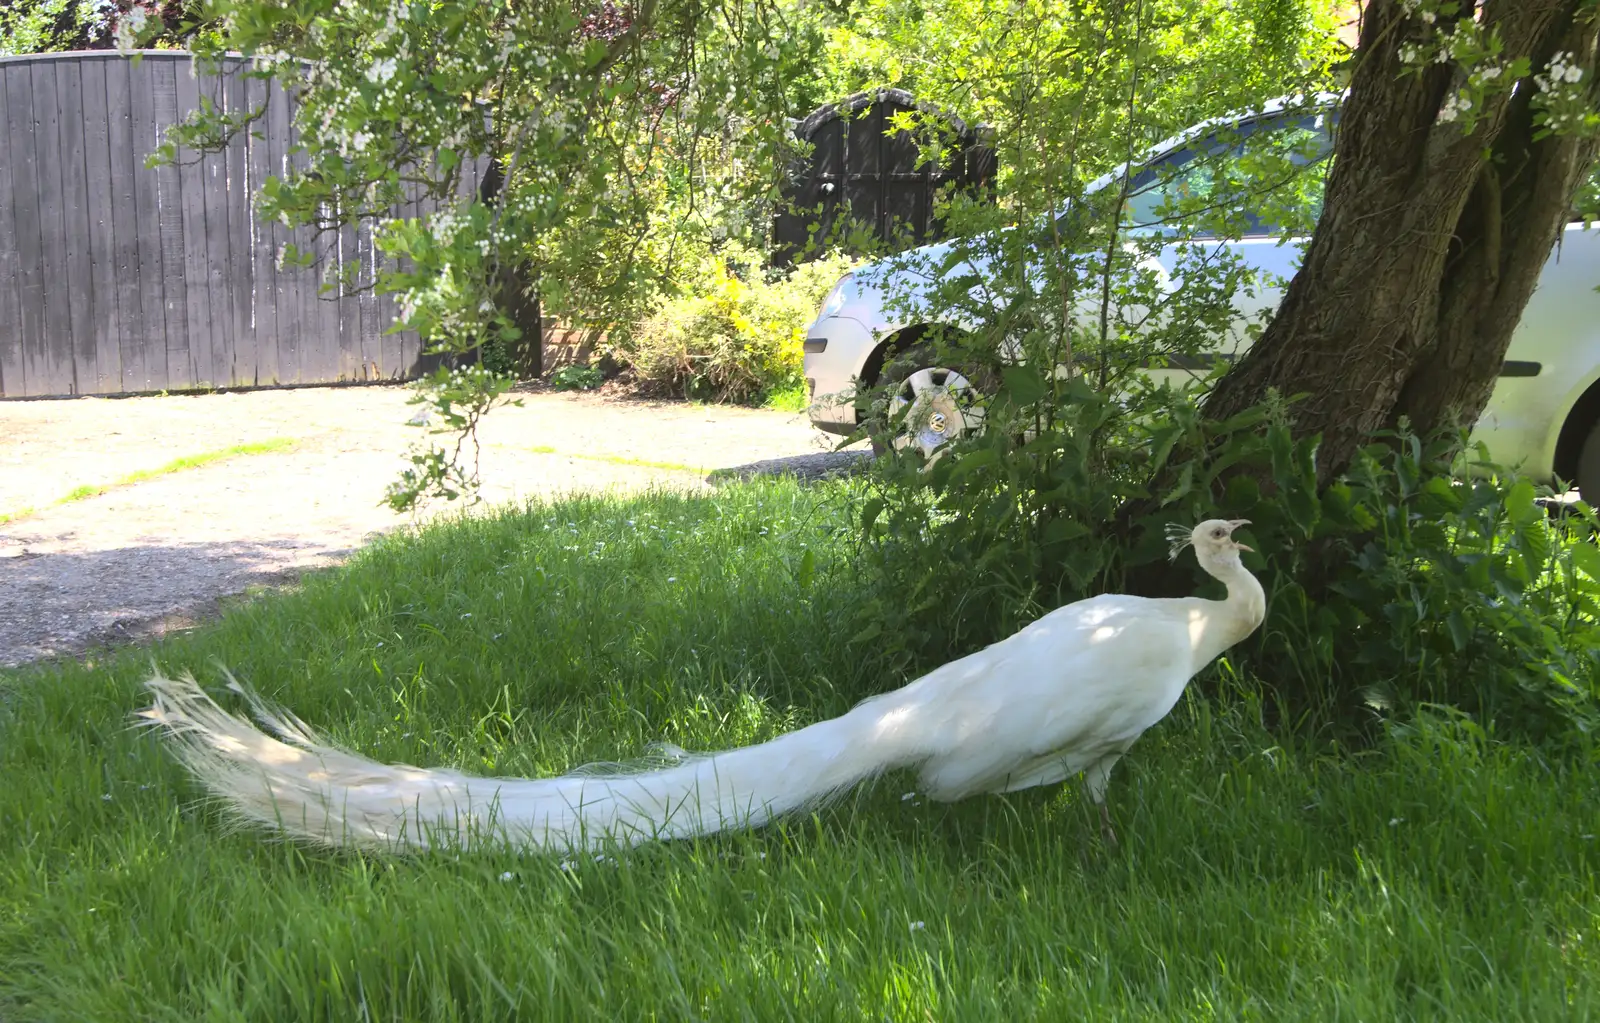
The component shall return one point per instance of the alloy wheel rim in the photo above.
(939, 405)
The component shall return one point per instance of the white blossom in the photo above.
(381, 71)
(1563, 69)
(128, 29)
(1454, 107)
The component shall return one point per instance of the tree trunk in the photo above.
(1426, 252)
(516, 294)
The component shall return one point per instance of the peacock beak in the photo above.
(1235, 524)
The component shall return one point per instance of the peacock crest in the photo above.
(1179, 536)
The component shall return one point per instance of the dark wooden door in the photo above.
(864, 187)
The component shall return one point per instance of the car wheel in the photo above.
(929, 404)
(1589, 468)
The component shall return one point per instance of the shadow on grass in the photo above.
(820, 465)
(59, 604)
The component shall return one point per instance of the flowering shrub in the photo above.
(46, 26)
(1478, 52)
(734, 335)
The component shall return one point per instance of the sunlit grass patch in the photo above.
(642, 463)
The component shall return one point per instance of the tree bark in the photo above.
(516, 293)
(1431, 239)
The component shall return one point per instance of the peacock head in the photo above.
(1212, 541)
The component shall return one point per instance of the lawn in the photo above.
(1440, 876)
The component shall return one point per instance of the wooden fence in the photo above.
(116, 279)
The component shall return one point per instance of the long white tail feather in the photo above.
(302, 786)
(1069, 693)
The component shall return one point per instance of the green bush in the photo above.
(576, 378)
(1424, 576)
(1427, 577)
(736, 333)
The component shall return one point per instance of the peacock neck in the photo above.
(1243, 610)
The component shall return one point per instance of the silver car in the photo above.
(1543, 417)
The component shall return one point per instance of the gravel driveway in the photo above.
(149, 556)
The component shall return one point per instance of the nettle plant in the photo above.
(544, 134)
(1057, 323)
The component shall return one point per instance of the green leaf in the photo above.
(1161, 444)
(1184, 485)
(1281, 447)
(1304, 509)
(870, 512)
(1023, 385)
(1063, 530)
(1243, 494)
(1244, 420)
(866, 635)
(1449, 497)
(971, 461)
(1082, 392)
(807, 570)
(1519, 503)
(1586, 559)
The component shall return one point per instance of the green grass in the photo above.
(89, 490)
(1440, 877)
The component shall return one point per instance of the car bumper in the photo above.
(836, 349)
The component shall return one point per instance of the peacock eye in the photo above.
(1219, 534)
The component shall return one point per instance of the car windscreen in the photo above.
(1259, 178)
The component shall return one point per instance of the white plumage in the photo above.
(1068, 694)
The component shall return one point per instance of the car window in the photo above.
(1250, 179)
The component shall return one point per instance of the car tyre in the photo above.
(1589, 467)
(941, 401)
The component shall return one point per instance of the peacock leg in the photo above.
(1107, 833)
(1095, 779)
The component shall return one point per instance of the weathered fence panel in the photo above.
(116, 279)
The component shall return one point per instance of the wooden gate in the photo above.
(861, 176)
(116, 279)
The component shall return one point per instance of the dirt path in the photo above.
(157, 554)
